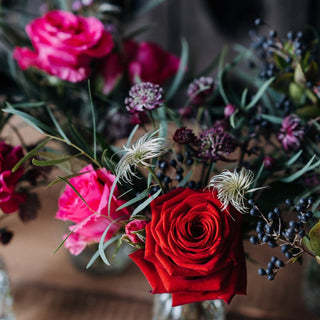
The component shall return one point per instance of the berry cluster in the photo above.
(272, 230)
(282, 55)
(273, 266)
(171, 172)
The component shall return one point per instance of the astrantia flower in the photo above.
(139, 154)
(184, 136)
(200, 89)
(231, 188)
(214, 144)
(291, 132)
(144, 96)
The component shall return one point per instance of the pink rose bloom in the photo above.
(143, 61)
(9, 199)
(92, 219)
(64, 44)
(133, 227)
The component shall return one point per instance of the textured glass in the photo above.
(5, 295)
(205, 310)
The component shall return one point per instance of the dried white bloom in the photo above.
(232, 186)
(139, 155)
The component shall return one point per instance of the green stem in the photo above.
(156, 178)
(77, 148)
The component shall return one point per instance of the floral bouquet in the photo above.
(210, 160)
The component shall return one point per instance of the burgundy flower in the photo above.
(201, 89)
(144, 61)
(9, 198)
(291, 133)
(214, 144)
(269, 162)
(184, 136)
(144, 96)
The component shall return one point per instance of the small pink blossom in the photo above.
(91, 218)
(229, 110)
(269, 162)
(133, 227)
(291, 133)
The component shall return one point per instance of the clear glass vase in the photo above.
(119, 260)
(205, 310)
(311, 286)
(6, 299)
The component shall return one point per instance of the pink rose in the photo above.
(143, 61)
(9, 199)
(132, 229)
(91, 219)
(65, 45)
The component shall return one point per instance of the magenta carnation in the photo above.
(9, 198)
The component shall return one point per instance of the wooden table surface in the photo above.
(49, 287)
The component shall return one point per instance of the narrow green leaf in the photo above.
(43, 163)
(244, 98)
(272, 119)
(57, 125)
(294, 158)
(114, 184)
(145, 203)
(299, 173)
(102, 241)
(30, 154)
(151, 4)
(185, 179)
(29, 104)
(105, 246)
(93, 116)
(139, 197)
(39, 126)
(260, 93)
(181, 71)
(133, 132)
(221, 72)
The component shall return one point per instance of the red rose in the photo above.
(145, 61)
(193, 249)
(64, 44)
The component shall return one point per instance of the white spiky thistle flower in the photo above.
(139, 155)
(232, 186)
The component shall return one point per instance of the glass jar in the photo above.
(311, 286)
(204, 310)
(118, 261)
(6, 299)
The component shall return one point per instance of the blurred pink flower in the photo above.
(145, 61)
(291, 133)
(9, 199)
(64, 45)
(90, 220)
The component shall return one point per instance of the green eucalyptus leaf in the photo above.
(181, 71)
(30, 154)
(52, 162)
(144, 204)
(314, 238)
(260, 93)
